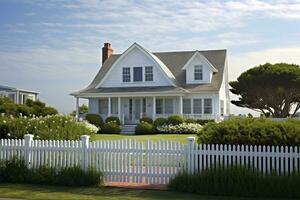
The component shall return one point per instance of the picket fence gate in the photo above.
(148, 162)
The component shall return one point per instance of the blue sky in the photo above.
(54, 46)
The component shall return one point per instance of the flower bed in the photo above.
(183, 128)
(55, 127)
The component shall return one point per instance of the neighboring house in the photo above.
(139, 83)
(18, 95)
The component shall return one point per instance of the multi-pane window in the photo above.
(137, 74)
(168, 106)
(197, 106)
(103, 106)
(148, 73)
(126, 74)
(186, 106)
(207, 106)
(198, 72)
(159, 106)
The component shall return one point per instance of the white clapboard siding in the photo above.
(148, 162)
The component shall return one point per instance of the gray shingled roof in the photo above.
(175, 62)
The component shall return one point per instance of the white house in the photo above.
(17, 95)
(140, 83)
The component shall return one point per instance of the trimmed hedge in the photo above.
(144, 128)
(160, 121)
(113, 119)
(204, 121)
(95, 119)
(111, 128)
(237, 181)
(175, 120)
(146, 119)
(251, 131)
(16, 171)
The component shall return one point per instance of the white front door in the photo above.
(135, 109)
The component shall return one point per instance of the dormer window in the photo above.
(148, 73)
(126, 74)
(198, 72)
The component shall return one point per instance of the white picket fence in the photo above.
(148, 162)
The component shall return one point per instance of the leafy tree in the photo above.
(31, 107)
(273, 89)
(82, 110)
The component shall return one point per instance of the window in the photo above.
(207, 106)
(103, 106)
(126, 74)
(148, 73)
(168, 106)
(159, 108)
(186, 106)
(198, 72)
(137, 74)
(197, 108)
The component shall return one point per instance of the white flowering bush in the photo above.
(183, 128)
(58, 127)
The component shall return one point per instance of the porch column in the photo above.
(17, 97)
(109, 107)
(180, 105)
(77, 108)
(119, 110)
(153, 108)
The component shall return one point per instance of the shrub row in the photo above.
(237, 181)
(111, 125)
(251, 131)
(54, 127)
(15, 171)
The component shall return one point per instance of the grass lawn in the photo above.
(92, 193)
(174, 137)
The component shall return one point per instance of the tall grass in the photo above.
(16, 171)
(237, 181)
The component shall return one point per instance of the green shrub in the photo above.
(237, 181)
(204, 121)
(95, 119)
(190, 120)
(51, 127)
(175, 120)
(16, 171)
(159, 122)
(75, 176)
(111, 128)
(13, 171)
(113, 119)
(144, 128)
(251, 131)
(146, 119)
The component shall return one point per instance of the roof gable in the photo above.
(163, 68)
(203, 59)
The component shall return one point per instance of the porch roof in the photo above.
(134, 90)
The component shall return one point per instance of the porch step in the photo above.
(128, 129)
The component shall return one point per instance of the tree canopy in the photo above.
(273, 89)
(31, 107)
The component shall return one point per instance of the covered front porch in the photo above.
(131, 109)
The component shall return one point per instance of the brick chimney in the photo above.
(106, 52)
